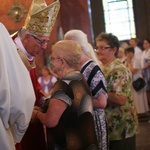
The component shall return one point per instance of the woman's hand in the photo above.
(34, 113)
(34, 116)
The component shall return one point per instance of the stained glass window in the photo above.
(119, 18)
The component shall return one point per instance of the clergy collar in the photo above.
(21, 47)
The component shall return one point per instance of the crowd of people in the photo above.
(137, 60)
(84, 98)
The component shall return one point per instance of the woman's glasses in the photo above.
(102, 48)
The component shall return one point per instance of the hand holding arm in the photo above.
(116, 100)
(51, 117)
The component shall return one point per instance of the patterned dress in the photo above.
(97, 84)
(122, 120)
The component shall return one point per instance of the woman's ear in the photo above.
(114, 50)
(64, 62)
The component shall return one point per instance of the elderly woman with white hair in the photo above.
(90, 69)
(68, 114)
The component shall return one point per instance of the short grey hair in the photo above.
(70, 51)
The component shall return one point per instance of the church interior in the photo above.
(88, 16)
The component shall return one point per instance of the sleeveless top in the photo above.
(75, 129)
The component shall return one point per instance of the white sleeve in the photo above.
(17, 96)
(54, 79)
(137, 63)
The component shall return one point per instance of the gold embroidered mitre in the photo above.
(41, 18)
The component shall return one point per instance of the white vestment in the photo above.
(17, 96)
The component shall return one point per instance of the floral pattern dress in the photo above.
(122, 120)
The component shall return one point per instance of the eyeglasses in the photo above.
(102, 48)
(39, 41)
(53, 58)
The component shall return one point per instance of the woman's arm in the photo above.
(115, 99)
(132, 69)
(100, 101)
(53, 114)
(130, 66)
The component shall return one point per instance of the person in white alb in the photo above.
(16, 93)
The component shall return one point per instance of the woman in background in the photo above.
(120, 110)
(47, 81)
(134, 65)
(145, 62)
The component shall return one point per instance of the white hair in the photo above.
(81, 38)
